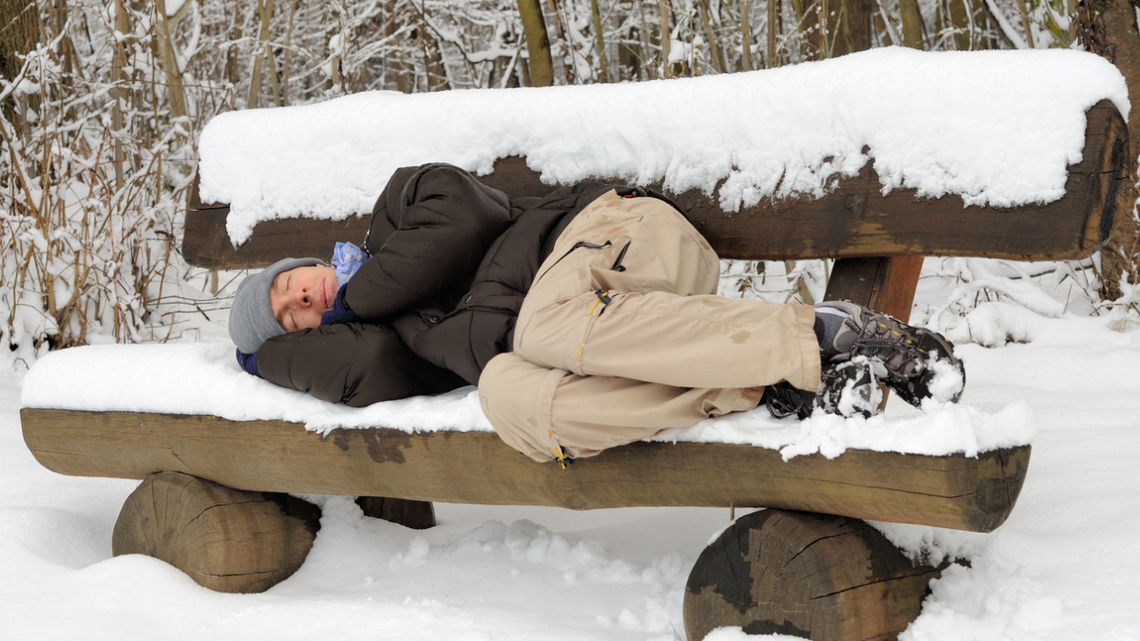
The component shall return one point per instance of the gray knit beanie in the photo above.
(251, 318)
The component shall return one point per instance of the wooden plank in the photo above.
(822, 577)
(944, 491)
(855, 220)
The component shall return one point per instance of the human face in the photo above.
(299, 296)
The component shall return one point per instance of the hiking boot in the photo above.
(849, 388)
(846, 389)
(915, 362)
(784, 400)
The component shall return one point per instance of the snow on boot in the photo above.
(849, 388)
(915, 362)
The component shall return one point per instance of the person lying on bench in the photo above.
(587, 318)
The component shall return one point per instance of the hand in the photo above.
(340, 312)
(248, 362)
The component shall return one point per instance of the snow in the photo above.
(995, 127)
(1063, 566)
(204, 378)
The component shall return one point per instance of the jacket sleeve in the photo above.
(353, 364)
(444, 220)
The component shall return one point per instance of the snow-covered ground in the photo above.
(1063, 567)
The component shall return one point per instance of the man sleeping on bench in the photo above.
(588, 319)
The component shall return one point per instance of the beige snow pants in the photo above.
(622, 336)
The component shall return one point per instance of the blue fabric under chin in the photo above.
(347, 258)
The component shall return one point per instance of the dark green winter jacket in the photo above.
(451, 260)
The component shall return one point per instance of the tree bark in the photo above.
(773, 31)
(911, 23)
(433, 57)
(19, 33)
(119, 77)
(706, 24)
(174, 92)
(603, 64)
(537, 43)
(265, 10)
(959, 14)
(746, 35)
(395, 60)
(1108, 28)
(847, 28)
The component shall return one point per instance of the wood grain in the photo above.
(477, 467)
(225, 539)
(855, 220)
(827, 578)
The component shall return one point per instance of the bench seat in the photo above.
(956, 466)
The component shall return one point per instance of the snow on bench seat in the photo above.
(203, 378)
(131, 411)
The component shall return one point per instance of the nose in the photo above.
(303, 297)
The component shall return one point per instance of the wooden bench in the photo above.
(214, 501)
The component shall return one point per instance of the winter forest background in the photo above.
(102, 102)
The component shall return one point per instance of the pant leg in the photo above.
(660, 322)
(550, 413)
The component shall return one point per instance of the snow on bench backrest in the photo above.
(997, 128)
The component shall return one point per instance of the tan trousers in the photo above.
(622, 336)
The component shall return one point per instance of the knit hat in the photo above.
(251, 318)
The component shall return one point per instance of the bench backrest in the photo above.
(854, 220)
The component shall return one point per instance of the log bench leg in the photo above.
(227, 540)
(827, 578)
(417, 515)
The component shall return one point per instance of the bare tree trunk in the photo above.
(603, 64)
(436, 72)
(174, 92)
(666, 37)
(847, 28)
(119, 76)
(19, 33)
(746, 36)
(646, 47)
(264, 10)
(395, 60)
(959, 11)
(1108, 28)
(540, 65)
(232, 52)
(714, 51)
(1025, 24)
(911, 23)
(773, 32)
(59, 19)
(285, 55)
